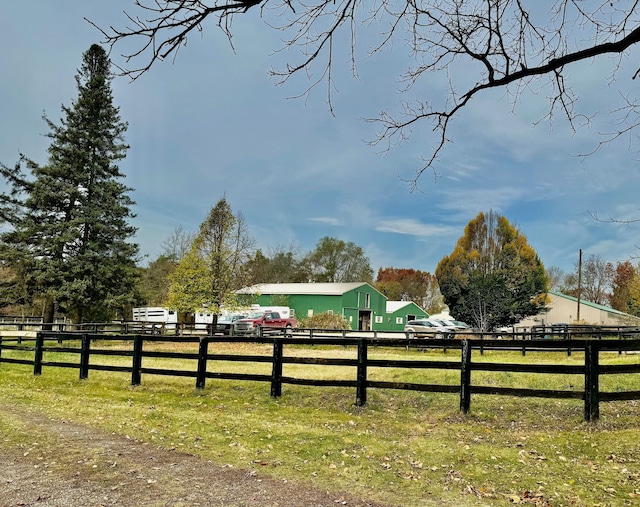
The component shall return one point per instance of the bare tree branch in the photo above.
(167, 26)
(498, 43)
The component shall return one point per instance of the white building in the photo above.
(563, 309)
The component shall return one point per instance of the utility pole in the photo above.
(579, 283)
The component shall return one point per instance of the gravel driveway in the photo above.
(63, 464)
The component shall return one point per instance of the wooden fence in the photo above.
(556, 331)
(87, 346)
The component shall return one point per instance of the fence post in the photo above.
(203, 350)
(620, 338)
(0, 349)
(84, 356)
(361, 375)
(591, 382)
(276, 372)
(465, 377)
(136, 376)
(37, 359)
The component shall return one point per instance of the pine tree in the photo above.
(71, 232)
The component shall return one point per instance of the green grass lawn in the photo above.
(404, 448)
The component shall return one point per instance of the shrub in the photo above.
(324, 321)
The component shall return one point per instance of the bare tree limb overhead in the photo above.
(514, 44)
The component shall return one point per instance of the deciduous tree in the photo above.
(335, 260)
(593, 283)
(625, 293)
(278, 266)
(493, 277)
(70, 234)
(177, 244)
(153, 286)
(597, 277)
(400, 284)
(215, 266)
(556, 277)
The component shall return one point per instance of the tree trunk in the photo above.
(48, 313)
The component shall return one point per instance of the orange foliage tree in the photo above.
(402, 284)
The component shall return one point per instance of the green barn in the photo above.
(400, 312)
(362, 305)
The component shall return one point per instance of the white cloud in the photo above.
(328, 221)
(412, 227)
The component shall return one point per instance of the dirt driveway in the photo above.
(63, 464)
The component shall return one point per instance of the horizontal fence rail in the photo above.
(555, 331)
(48, 347)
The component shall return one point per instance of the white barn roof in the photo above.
(327, 289)
(394, 306)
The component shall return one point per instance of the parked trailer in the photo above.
(155, 314)
(202, 319)
(155, 318)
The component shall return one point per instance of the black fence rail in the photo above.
(115, 327)
(87, 347)
(555, 331)
(570, 331)
(33, 325)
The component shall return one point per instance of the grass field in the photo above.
(402, 448)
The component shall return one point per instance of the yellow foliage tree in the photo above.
(215, 265)
(493, 277)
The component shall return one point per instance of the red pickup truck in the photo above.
(259, 323)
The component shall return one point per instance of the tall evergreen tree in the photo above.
(71, 232)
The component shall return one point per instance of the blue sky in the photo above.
(214, 123)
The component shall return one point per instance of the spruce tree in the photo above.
(71, 233)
